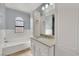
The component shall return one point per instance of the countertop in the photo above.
(44, 40)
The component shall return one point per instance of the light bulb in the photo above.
(46, 6)
(51, 3)
(43, 8)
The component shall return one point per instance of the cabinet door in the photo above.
(35, 48)
(39, 49)
(43, 50)
(51, 51)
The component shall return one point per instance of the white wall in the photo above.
(11, 36)
(11, 15)
(2, 23)
(67, 16)
(36, 23)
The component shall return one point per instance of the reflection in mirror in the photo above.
(49, 25)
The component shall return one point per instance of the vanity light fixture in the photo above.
(43, 8)
(51, 3)
(46, 6)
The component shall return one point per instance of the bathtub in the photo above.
(16, 41)
(12, 47)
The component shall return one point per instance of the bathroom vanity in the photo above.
(43, 40)
(43, 46)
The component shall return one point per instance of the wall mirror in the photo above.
(49, 19)
(49, 24)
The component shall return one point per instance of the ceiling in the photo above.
(25, 7)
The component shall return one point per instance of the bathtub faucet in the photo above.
(5, 40)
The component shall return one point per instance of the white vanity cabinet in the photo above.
(41, 46)
(41, 49)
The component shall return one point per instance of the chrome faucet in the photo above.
(5, 40)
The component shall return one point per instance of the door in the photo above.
(66, 36)
(77, 30)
